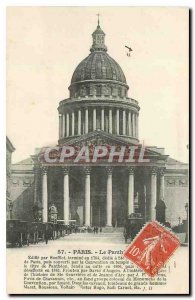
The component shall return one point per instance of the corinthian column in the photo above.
(133, 123)
(117, 121)
(124, 122)
(131, 191)
(162, 184)
(137, 126)
(102, 119)
(94, 119)
(153, 194)
(110, 120)
(66, 196)
(36, 172)
(67, 124)
(73, 121)
(129, 124)
(63, 126)
(109, 197)
(87, 197)
(44, 195)
(60, 127)
(86, 121)
(79, 122)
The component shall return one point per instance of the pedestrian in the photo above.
(94, 230)
(46, 234)
(100, 229)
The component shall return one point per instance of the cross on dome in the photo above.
(98, 15)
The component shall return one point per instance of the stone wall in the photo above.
(22, 193)
(176, 196)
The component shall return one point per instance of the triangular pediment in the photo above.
(102, 138)
(97, 138)
(114, 149)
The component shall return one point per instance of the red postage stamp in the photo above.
(152, 248)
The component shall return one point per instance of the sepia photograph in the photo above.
(97, 150)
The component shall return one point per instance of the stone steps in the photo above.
(112, 229)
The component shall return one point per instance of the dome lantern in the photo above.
(98, 39)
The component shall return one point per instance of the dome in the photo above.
(98, 97)
(98, 74)
(98, 65)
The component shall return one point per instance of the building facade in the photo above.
(100, 112)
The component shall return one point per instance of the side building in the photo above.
(22, 190)
(9, 203)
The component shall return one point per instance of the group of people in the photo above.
(49, 233)
(96, 229)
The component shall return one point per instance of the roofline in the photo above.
(22, 172)
(98, 81)
(100, 101)
(9, 145)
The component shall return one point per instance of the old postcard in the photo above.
(97, 150)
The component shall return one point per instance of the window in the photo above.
(98, 90)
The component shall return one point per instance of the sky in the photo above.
(45, 44)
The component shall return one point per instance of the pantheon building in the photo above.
(99, 111)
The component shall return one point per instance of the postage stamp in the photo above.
(152, 248)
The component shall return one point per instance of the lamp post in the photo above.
(186, 208)
(10, 205)
(53, 214)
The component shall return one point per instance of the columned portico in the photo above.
(44, 195)
(87, 197)
(153, 193)
(131, 191)
(66, 196)
(102, 199)
(109, 197)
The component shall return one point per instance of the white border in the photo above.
(3, 5)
